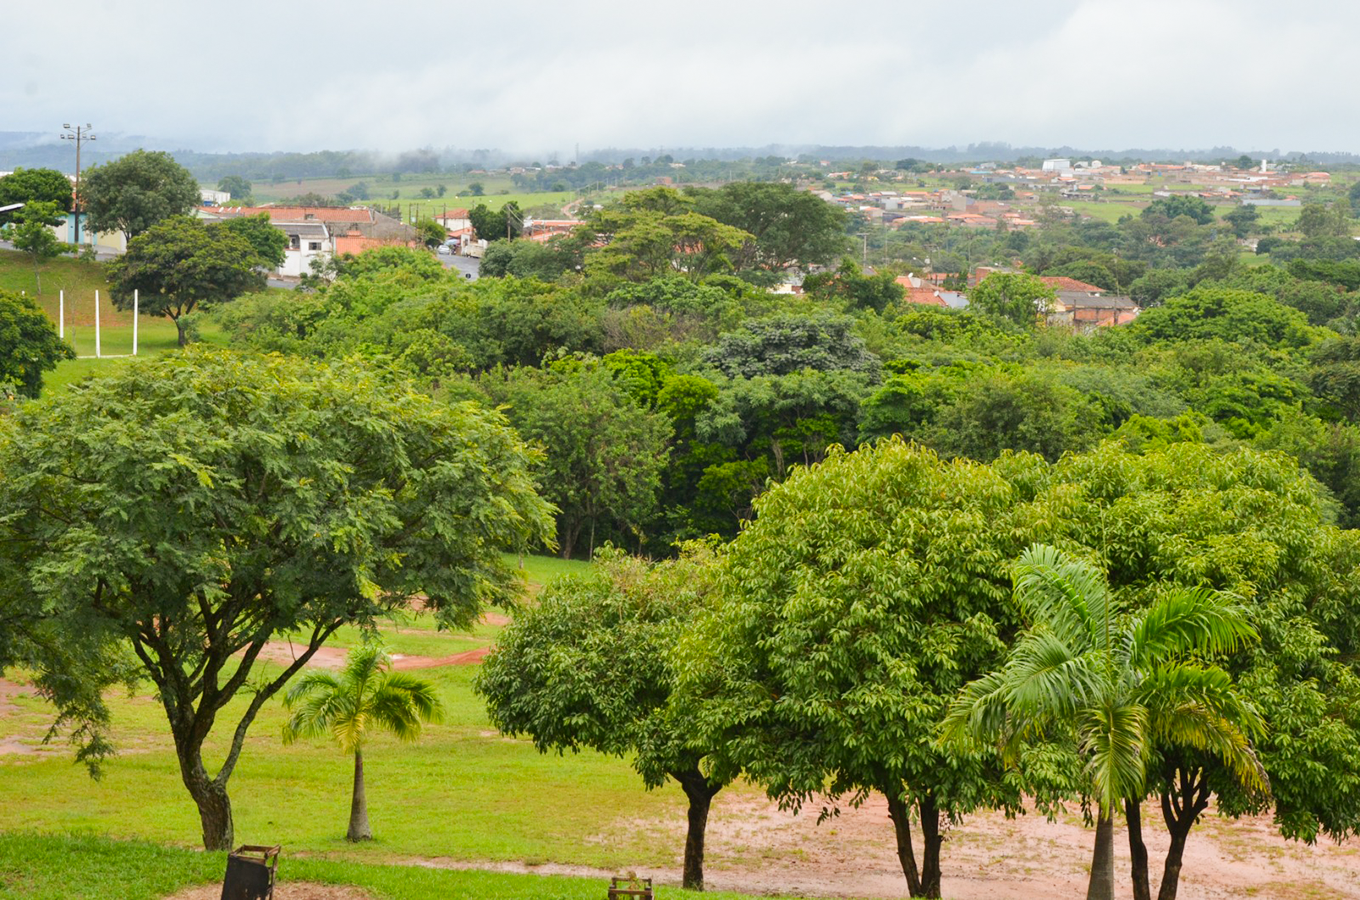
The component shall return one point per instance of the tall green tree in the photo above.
(194, 507)
(1253, 525)
(366, 697)
(788, 226)
(181, 265)
(847, 616)
(136, 191)
(1123, 688)
(603, 453)
(592, 664)
(29, 344)
(33, 235)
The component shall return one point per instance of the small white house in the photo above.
(213, 198)
(306, 241)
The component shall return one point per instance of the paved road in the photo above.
(468, 265)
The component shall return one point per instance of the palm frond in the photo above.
(1068, 596)
(1196, 706)
(1116, 742)
(1046, 679)
(1187, 622)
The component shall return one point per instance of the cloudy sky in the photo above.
(537, 76)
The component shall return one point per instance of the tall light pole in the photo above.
(79, 134)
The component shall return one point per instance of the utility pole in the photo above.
(79, 135)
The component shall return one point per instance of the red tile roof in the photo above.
(1063, 283)
(300, 213)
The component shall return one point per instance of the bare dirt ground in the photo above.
(326, 657)
(755, 848)
(282, 891)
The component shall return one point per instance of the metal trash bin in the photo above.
(250, 873)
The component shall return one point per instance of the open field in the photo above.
(80, 279)
(497, 191)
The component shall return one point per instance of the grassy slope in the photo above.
(37, 867)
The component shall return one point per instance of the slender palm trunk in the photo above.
(1101, 886)
(358, 808)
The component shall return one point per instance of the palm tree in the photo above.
(1121, 684)
(365, 697)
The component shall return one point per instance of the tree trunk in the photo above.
(930, 857)
(37, 277)
(214, 812)
(183, 332)
(700, 793)
(1101, 886)
(566, 542)
(900, 814)
(358, 807)
(1182, 803)
(1138, 854)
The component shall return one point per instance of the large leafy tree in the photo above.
(848, 614)
(366, 697)
(656, 234)
(788, 226)
(603, 453)
(180, 265)
(592, 665)
(29, 344)
(35, 186)
(1254, 525)
(194, 507)
(136, 191)
(1123, 688)
(783, 344)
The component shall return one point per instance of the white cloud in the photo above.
(540, 77)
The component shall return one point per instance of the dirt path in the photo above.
(754, 848)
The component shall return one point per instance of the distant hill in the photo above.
(27, 148)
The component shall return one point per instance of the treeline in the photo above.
(703, 386)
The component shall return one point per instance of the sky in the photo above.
(543, 77)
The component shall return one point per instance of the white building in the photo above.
(1056, 165)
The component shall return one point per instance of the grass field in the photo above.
(59, 867)
(463, 792)
(497, 191)
(80, 279)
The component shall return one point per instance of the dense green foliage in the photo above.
(592, 666)
(181, 264)
(190, 508)
(136, 191)
(29, 344)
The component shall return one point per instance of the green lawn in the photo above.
(62, 867)
(463, 792)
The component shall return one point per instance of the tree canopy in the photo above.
(35, 186)
(181, 264)
(137, 191)
(592, 665)
(193, 507)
